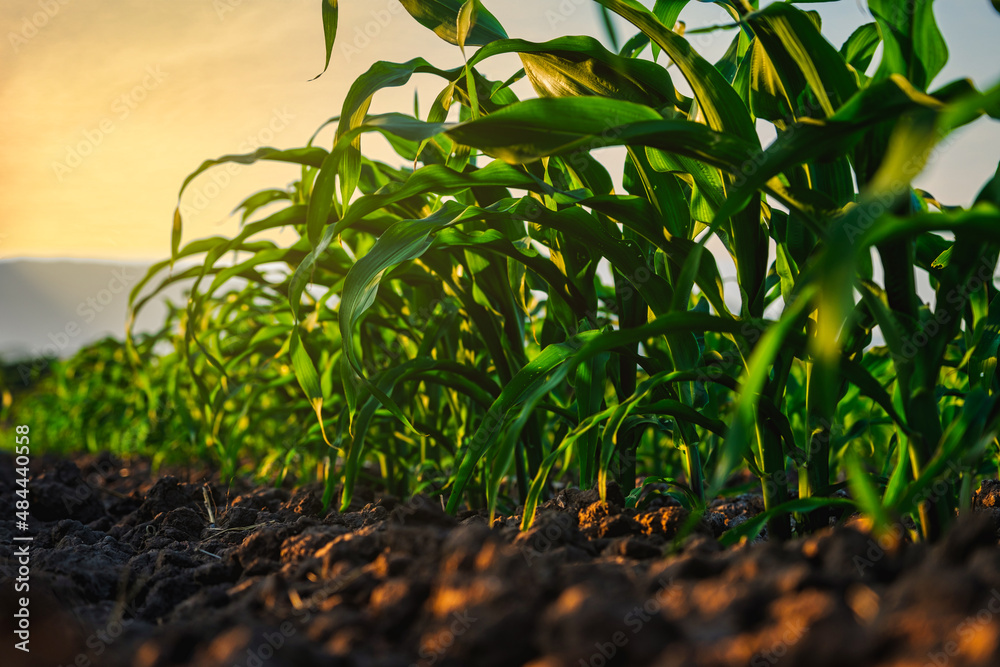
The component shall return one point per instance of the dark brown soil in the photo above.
(128, 571)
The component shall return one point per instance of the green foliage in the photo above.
(491, 312)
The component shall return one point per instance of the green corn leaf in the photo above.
(983, 361)
(668, 11)
(536, 128)
(768, 97)
(708, 191)
(860, 47)
(435, 178)
(175, 237)
(964, 440)
(913, 44)
(689, 498)
(468, 15)
(557, 361)
(359, 433)
(311, 156)
(529, 130)
(572, 66)
(902, 476)
(991, 191)
(724, 110)
(442, 16)
(886, 100)
(402, 242)
(331, 15)
(609, 28)
(751, 528)
(743, 430)
(865, 494)
(589, 386)
(258, 200)
(532, 380)
(305, 372)
(347, 165)
(305, 156)
(798, 50)
(982, 221)
(538, 483)
(861, 378)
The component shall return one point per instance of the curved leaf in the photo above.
(331, 16)
(442, 16)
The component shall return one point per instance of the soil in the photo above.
(130, 570)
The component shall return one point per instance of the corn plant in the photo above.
(490, 312)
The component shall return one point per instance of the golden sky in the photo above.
(107, 106)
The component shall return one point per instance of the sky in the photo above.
(107, 106)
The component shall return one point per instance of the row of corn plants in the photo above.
(97, 401)
(493, 313)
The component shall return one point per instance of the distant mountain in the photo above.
(54, 307)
